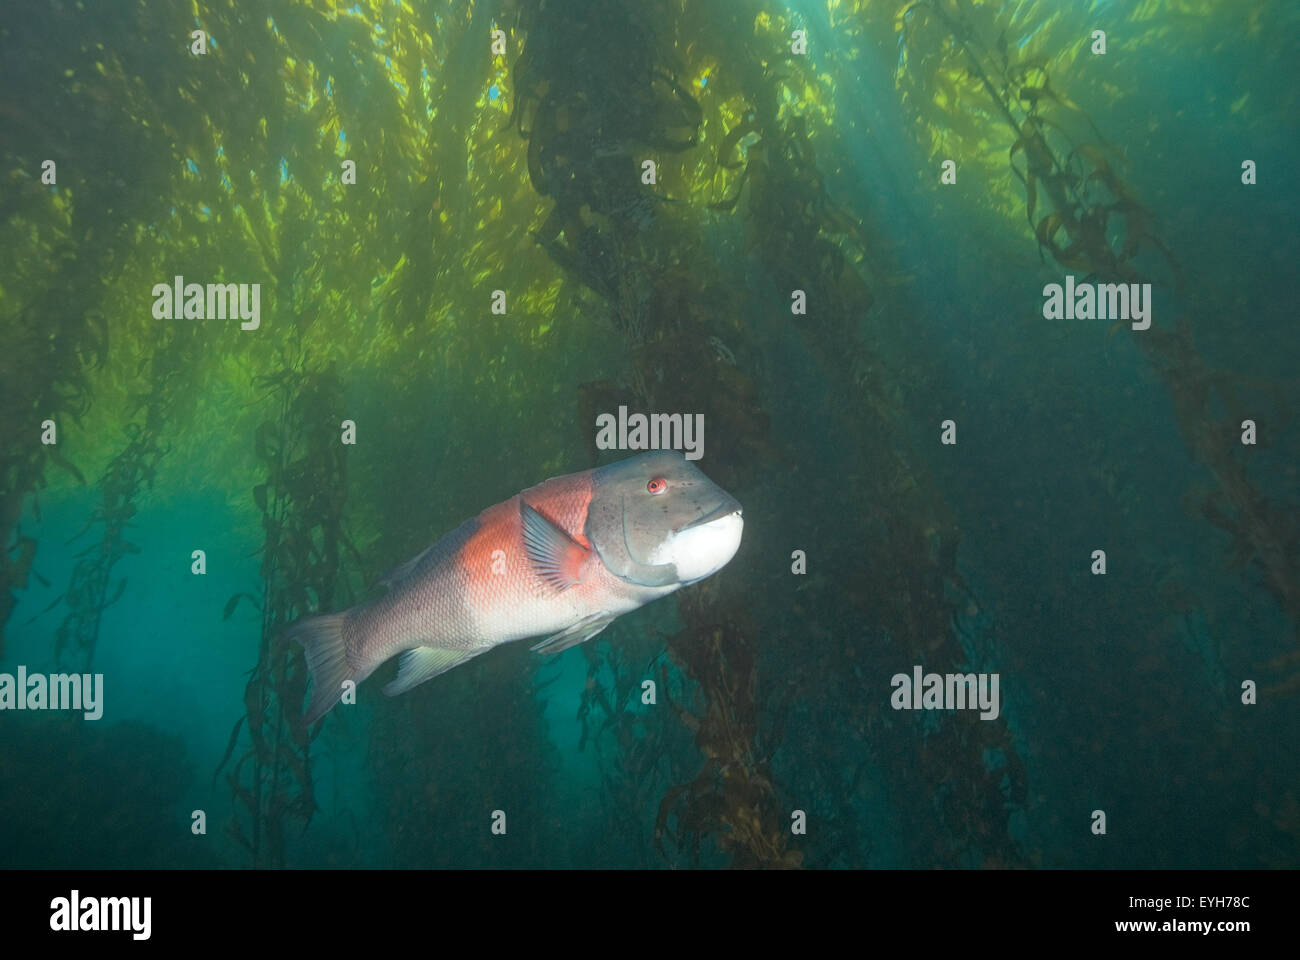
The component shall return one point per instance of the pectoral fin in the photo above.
(556, 556)
(580, 632)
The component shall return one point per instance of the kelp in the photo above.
(522, 171)
(632, 754)
(301, 503)
(1263, 534)
(112, 147)
(589, 121)
(90, 589)
(591, 112)
(907, 590)
(88, 592)
(686, 337)
(1096, 225)
(731, 799)
(1092, 221)
(45, 357)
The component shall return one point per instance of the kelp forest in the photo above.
(827, 228)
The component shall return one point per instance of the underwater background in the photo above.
(513, 162)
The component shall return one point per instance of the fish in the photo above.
(562, 559)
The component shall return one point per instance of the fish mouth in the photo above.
(726, 508)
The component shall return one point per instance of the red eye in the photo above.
(657, 485)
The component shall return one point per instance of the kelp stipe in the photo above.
(731, 800)
(633, 751)
(43, 372)
(91, 589)
(805, 240)
(944, 42)
(301, 503)
(76, 234)
(688, 345)
(1104, 226)
(638, 250)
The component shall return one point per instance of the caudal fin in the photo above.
(322, 643)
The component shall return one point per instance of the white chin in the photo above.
(701, 550)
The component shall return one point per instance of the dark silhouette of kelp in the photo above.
(43, 375)
(90, 589)
(114, 144)
(1088, 199)
(589, 120)
(1104, 226)
(731, 799)
(301, 503)
(902, 584)
(588, 115)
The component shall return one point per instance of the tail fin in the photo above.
(322, 642)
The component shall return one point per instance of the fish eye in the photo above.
(657, 485)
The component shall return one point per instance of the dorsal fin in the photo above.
(556, 556)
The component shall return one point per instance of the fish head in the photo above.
(657, 521)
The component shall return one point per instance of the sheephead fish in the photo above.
(562, 559)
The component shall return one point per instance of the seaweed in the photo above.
(687, 335)
(132, 470)
(588, 110)
(75, 235)
(634, 754)
(521, 171)
(1086, 194)
(301, 504)
(1104, 226)
(906, 586)
(732, 797)
(43, 375)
